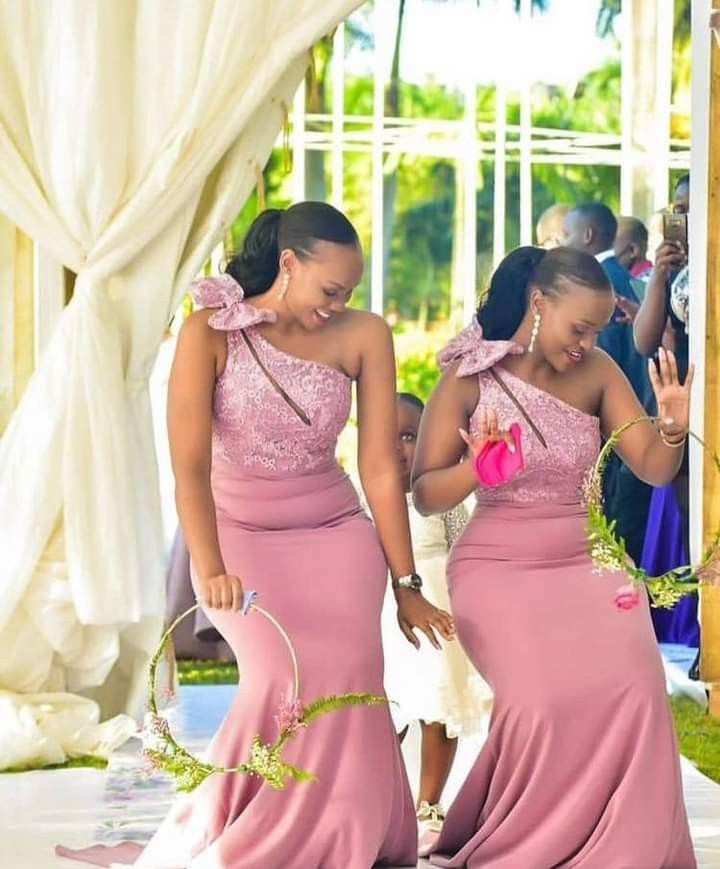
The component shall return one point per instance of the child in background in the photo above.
(441, 690)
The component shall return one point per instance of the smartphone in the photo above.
(675, 228)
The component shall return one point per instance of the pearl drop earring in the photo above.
(535, 330)
(284, 286)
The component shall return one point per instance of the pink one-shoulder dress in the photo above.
(581, 767)
(291, 526)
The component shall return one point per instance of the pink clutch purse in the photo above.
(495, 465)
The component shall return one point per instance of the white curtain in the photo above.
(130, 135)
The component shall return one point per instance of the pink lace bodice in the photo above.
(557, 473)
(253, 425)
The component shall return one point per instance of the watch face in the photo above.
(413, 582)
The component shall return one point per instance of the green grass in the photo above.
(87, 760)
(698, 733)
(699, 736)
(207, 673)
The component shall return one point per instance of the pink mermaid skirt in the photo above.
(581, 767)
(312, 555)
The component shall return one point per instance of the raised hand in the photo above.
(670, 257)
(489, 432)
(628, 308)
(673, 397)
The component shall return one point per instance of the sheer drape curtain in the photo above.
(130, 135)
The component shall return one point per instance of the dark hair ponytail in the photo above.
(256, 266)
(298, 229)
(507, 300)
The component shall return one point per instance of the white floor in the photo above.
(78, 807)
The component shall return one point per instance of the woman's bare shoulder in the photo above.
(198, 339)
(600, 366)
(359, 323)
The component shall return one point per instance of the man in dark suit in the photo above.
(592, 228)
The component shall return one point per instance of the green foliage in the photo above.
(187, 771)
(207, 673)
(416, 351)
(422, 208)
(84, 761)
(608, 551)
(422, 243)
(418, 374)
(335, 703)
(698, 735)
(165, 753)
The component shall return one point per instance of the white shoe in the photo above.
(430, 823)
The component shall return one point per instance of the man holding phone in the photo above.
(670, 260)
(666, 301)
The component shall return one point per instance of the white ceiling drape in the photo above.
(130, 135)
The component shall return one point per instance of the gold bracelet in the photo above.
(675, 445)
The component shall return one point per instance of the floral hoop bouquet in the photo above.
(164, 752)
(609, 552)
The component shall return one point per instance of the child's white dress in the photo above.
(427, 685)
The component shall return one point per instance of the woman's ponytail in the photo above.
(504, 308)
(256, 266)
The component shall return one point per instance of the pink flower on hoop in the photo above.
(289, 715)
(627, 597)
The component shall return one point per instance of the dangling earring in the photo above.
(535, 330)
(284, 286)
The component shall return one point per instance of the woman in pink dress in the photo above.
(260, 391)
(581, 767)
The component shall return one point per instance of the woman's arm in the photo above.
(380, 471)
(441, 480)
(198, 359)
(642, 447)
(651, 319)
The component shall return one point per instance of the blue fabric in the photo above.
(664, 550)
(617, 339)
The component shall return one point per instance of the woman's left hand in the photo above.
(414, 611)
(673, 397)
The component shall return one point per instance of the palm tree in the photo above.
(644, 100)
(393, 110)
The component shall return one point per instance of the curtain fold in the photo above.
(130, 136)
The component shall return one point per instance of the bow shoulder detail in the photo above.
(233, 312)
(475, 353)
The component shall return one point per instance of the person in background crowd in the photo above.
(592, 228)
(670, 260)
(667, 302)
(550, 226)
(631, 247)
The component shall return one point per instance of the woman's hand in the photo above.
(670, 257)
(221, 592)
(489, 432)
(414, 611)
(673, 397)
(629, 310)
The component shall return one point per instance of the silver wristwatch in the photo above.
(412, 581)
